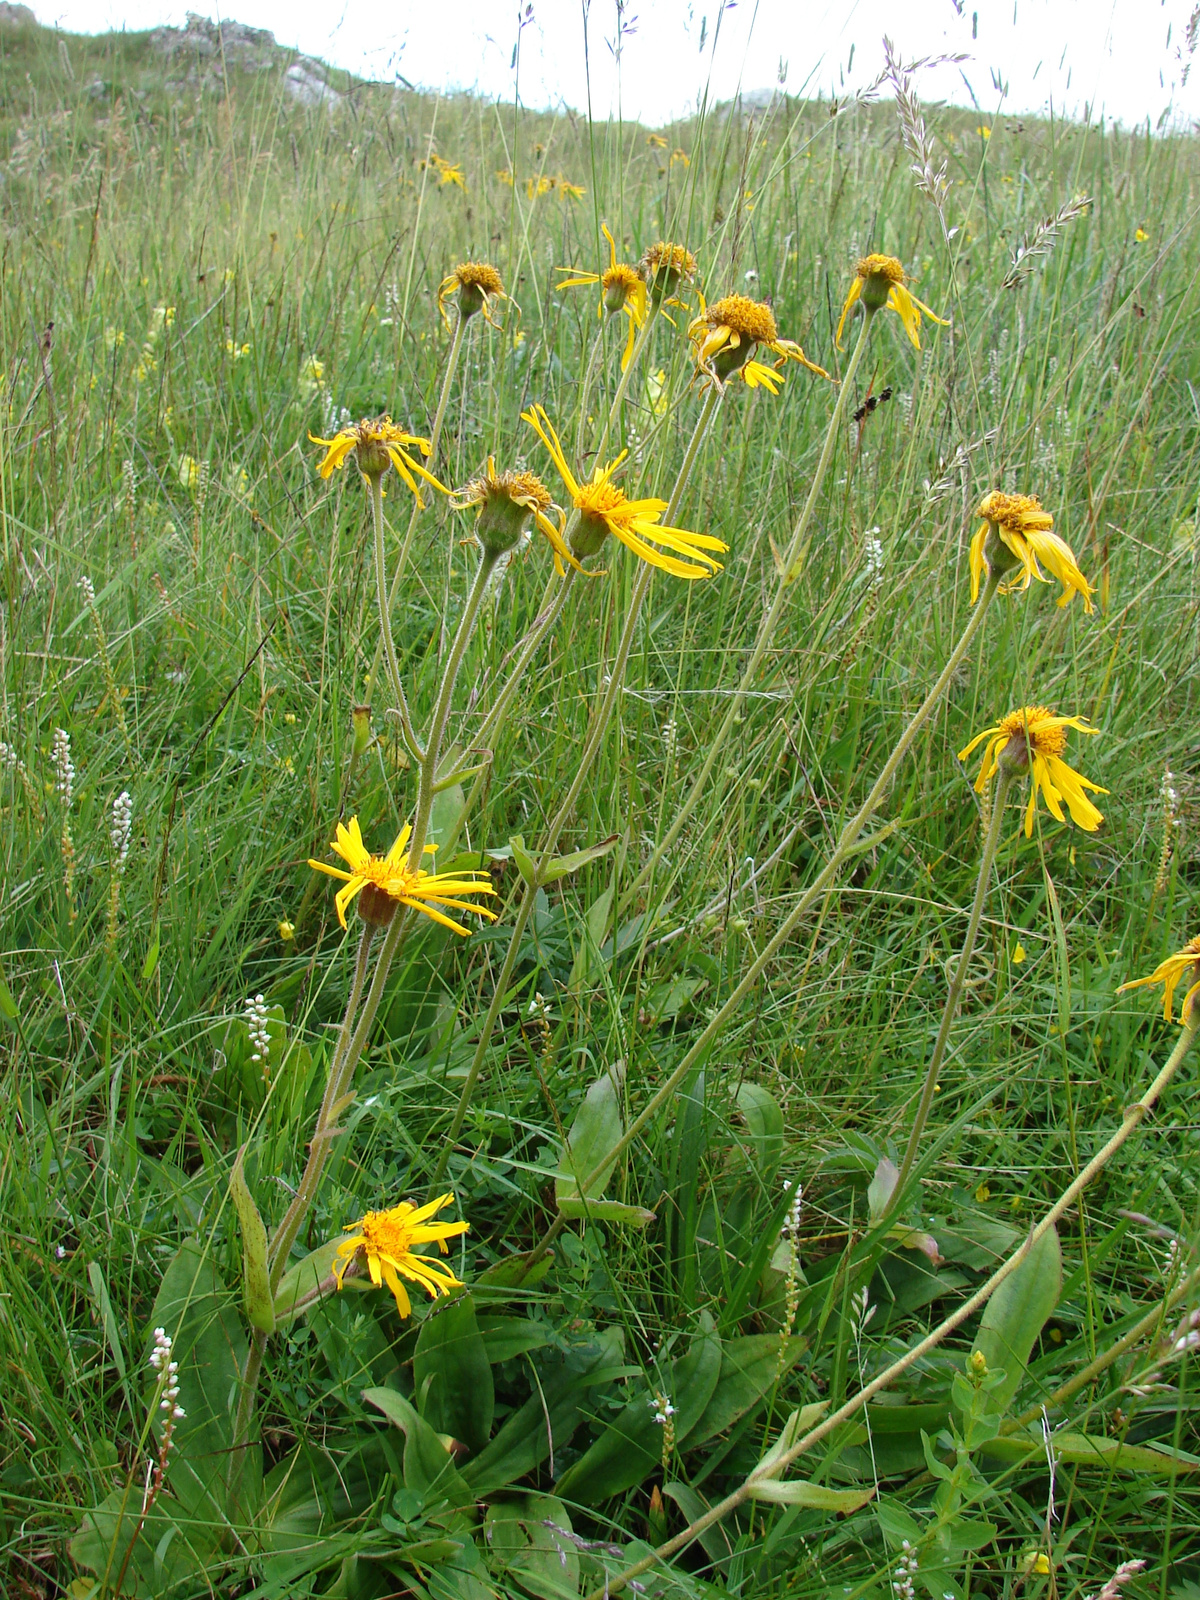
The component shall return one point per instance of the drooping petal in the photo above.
(856, 289)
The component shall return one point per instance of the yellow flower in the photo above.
(656, 141)
(1185, 962)
(536, 187)
(984, 131)
(1141, 236)
(187, 470)
(666, 266)
(376, 442)
(1018, 955)
(505, 176)
(622, 289)
(505, 502)
(1033, 740)
(287, 931)
(726, 334)
(1021, 525)
(573, 191)
(880, 281)
(386, 1240)
(680, 158)
(603, 509)
(389, 881)
(477, 284)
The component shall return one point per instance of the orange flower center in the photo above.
(876, 266)
(1030, 728)
(751, 320)
(622, 278)
(1013, 511)
(479, 275)
(385, 1234)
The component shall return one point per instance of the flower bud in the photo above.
(1000, 558)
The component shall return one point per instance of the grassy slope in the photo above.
(312, 235)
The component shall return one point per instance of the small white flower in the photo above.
(256, 1022)
(122, 826)
(64, 769)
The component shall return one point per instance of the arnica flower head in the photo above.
(477, 285)
(1184, 963)
(377, 443)
(622, 288)
(506, 502)
(880, 281)
(385, 1239)
(665, 267)
(727, 333)
(1032, 739)
(604, 509)
(1016, 531)
(384, 882)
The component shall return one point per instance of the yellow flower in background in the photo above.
(447, 172)
(387, 881)
(385, 1240)
(984, 131)
(880, 281)
(187, 470)
(287, 931)
(680, 158)
(1023, 526)
(1185, 962)
(656, 141)
(1141, 236)
(573, 191)
(377, 443)
(505, 177)
(536, 187)
(665, 267)
(505, 502)
(1018, 955)
(604, 510)
(726, 334)
(477, 284)
(1032, 740)
(622, 289)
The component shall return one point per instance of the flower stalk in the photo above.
(987, 858)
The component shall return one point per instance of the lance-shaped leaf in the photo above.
(1016, 1314)
(596, 1130)
(256, 1287)
(562, 866)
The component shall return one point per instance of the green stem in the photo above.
(386, 642)
(441, 711)
(986, 860)
(586, 388)
(1133, 1118)
(599, 727)
(435, 439)
(766, 628)
(543, 623)
(846, 841)
(318, 1151)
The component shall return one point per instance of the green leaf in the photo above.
(104, 1305)
(306, 1276)
(814, 1496)
(606, 1211)
(256, 1288)
(428, 1467)
(1081, 1449)
(526, 865)
(1062, 964)
(968, 1533)
(150, 964)
(764, 1121)
(1016, 1314)
(8, 1006)
(562, 865)
(548, 1418)
(750, 1366)
(630, 1447)
(507, 1337)
(522, 1548)
(596, 1129)
(453, 1374)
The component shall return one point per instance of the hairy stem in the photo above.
(1134, 1117)
(843, 848)
(599, 727)
(766, 628)
(986, 861)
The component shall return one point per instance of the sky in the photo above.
(651, 60)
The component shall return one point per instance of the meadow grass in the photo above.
(193, 283)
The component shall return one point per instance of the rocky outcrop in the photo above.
(204, 51)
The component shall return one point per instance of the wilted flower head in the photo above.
(1032, 740)
(665, 267)
(881, 281)
(726, 335)
(506, 502)
(477, 285)
(376, 443)
(1016, 532)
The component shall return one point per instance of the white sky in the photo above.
(1122, 57)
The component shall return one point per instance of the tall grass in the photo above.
(194, 282)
